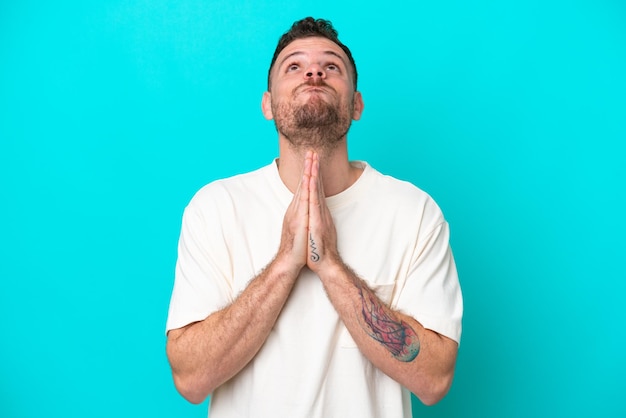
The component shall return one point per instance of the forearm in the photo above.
(419, 359)
(205, 354)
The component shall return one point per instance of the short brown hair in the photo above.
(305, 28)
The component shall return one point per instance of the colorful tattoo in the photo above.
(314, 255)
(396, 336)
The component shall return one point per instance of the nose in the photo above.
(314, 72)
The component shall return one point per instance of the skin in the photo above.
(205, 354)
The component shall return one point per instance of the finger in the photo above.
(320, 185)
(304, 180)
(307, 171)
(297, 194)
(305, 192)
(314, 183)
(308, 159)
(317, 197)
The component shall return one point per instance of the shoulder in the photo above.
(231, 188)
(399, 192)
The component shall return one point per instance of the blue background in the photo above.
(512, 115)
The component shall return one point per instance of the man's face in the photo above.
(312, 98)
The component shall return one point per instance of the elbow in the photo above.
(191, 390)
(434, 383)
(431, 399)
(435, 391)
(193, 385)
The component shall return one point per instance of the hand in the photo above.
(294, 237)
(322, 239)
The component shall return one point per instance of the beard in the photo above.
(313, 124)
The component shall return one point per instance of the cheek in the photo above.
(282, 93)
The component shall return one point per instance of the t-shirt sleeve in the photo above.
(202, 282)
(431, 292)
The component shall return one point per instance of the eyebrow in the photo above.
(329, 52)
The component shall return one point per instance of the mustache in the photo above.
(317, 82)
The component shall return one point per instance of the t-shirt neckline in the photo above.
(333, 202)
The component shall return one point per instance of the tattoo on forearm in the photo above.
(395, 335)
(314, 255)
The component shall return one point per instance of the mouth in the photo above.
(307, 88)
(313, 91)
(313, 94)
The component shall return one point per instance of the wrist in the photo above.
(283, 266)
(330, 268)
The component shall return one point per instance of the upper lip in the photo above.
(308, 87)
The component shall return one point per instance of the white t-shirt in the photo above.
(389, 232)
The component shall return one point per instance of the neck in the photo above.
(336, 172)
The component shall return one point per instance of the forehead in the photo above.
(311, 46)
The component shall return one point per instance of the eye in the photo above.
(293, 67)
(332, 67)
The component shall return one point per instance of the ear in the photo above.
(358, 105)
(266, 105)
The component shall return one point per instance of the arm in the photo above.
(419, 359)
(205, 354)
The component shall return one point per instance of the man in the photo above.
(315, 286)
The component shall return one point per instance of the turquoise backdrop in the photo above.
(511, 114)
